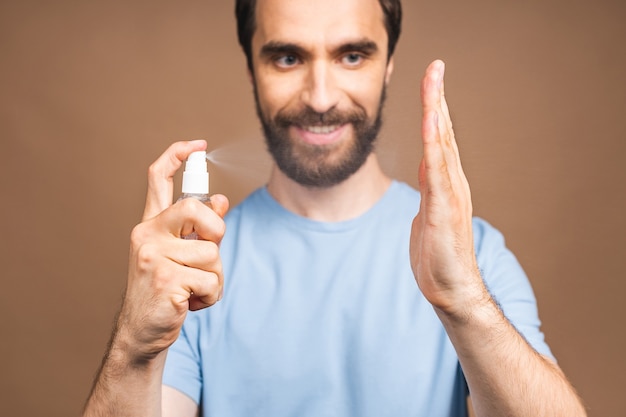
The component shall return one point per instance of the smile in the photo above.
(321, 130)
(321, 135)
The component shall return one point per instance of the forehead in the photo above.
(319, 22)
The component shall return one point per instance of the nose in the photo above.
(320, 92)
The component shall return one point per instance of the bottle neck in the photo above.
(198, 196)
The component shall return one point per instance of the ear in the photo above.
(389, 70)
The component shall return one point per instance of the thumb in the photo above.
(161, 174)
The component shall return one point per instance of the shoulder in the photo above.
(489, 244)
(486, 236)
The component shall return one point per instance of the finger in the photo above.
(433, 97)
(198, 254)
(161, 174)
(204, 288)
(454, 155)
(220, 204)
(190, 215)
(448, 125)
(196, 216)
(195, 287)
(431, 86)
(434, 175)
(442, 100)
(433, 118)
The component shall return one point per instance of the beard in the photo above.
(320, 166)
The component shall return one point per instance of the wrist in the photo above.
(470, 301)
(127, 351)
(126, 382)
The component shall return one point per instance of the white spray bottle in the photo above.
(196, 181)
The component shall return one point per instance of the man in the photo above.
(321, 314)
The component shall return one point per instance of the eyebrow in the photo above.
(364, 46)
(272, 48)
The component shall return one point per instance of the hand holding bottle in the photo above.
(168, 275)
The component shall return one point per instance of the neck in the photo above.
(343, 201)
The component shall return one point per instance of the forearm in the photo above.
(167, 277)
(505, 375)
(125, 387)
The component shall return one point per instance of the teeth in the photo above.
(321, 129)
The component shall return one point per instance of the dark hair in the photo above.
(246, 24)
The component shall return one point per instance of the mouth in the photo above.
(321, 134)
(321, 130)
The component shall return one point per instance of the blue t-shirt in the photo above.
(326, 319)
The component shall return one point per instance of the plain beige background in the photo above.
(93, 91)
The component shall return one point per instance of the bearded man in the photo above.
(341, 291)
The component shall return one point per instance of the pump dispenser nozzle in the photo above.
(196, 175)
(196, 182)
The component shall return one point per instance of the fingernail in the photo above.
(197, 142)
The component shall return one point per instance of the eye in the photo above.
(352, 59)
(286, 61)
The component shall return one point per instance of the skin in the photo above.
(164, 272)
(505, 375)
(325, 76)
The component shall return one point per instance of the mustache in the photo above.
(310, 117)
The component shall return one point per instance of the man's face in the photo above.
(320, 71)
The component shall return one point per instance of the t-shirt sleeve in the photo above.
(182, 366)
(508, 284)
